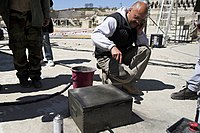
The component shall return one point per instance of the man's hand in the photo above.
(140, 28)
(116, 54)
(46, 22)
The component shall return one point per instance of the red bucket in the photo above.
(82, 76)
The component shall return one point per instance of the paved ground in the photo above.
(21, 110)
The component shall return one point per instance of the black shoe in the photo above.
(184, 94)
(24, 83)
(37, 83)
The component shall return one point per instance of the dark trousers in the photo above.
(24, 37)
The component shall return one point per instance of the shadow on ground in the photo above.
(46, 108)
(134, 119)
(48, 83)
(152, 85)
(75, 61)
(71, 49)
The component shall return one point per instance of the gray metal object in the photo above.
(58, 124)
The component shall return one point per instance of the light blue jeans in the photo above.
(47, 51)
(194, 82)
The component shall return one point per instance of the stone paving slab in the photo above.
(152, 113)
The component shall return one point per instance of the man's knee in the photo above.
(146, 50)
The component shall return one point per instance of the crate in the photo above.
(97, 108)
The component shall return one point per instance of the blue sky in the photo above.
(63, 4)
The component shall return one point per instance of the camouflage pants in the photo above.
(24, 37)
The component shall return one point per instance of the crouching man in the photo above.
(121, 46)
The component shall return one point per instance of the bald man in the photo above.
(121, 46)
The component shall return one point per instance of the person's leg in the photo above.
(137, 59)
(112, 69)
(17, 44)
(34, 38)
(192, 85)
(194, 82)
(48, 54)
(113, 72)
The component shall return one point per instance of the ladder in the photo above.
(167, 20)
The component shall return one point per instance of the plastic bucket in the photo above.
(82, 76)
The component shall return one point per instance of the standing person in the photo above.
(26, 19)
(189, 91)
(47, 51)
(121, 46)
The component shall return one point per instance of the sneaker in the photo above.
(37, 83)
(44, 60)
(184, 94)
(132, 89)
(24, 83)
(50, 63)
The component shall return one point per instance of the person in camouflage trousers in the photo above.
(26, 19)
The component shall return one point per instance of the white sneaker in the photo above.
(50, 63)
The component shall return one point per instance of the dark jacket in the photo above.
(49, 28)
(39, 9)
